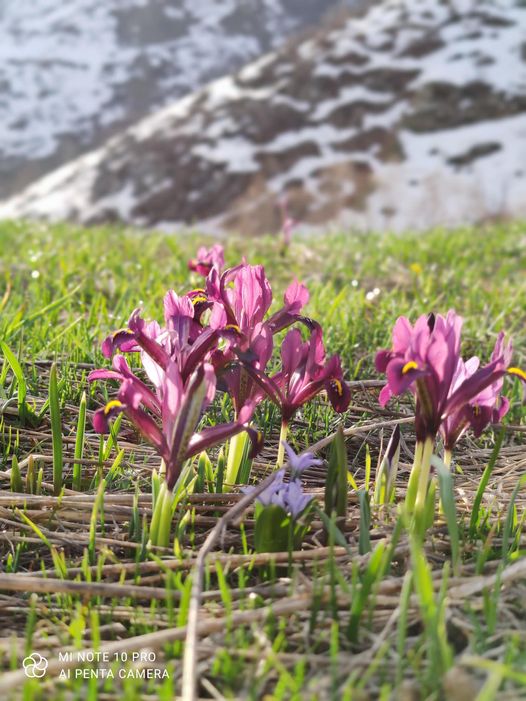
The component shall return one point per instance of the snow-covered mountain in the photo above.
(410, 115)
(73, 72)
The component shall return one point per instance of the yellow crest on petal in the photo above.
(336, 383)
(114, 404)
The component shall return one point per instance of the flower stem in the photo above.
(162, 517)
(281, 448)
(448, 456)
(235, 457)
(156, 515)
(412, 485)
(423, 478)
(165, 521)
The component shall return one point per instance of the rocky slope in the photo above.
(72, 73)
(411, 115)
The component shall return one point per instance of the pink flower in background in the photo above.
(208, 259)
(288, 223)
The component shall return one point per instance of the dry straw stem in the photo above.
(476, 584)
(233, 561)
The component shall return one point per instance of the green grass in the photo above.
(380, 611)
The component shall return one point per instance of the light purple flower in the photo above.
(296, 500)
(299, 463)
(289, 495)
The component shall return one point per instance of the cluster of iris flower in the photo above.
(218, 336)
(222, 335)
(452, 395)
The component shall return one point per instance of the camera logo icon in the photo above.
(35, 666)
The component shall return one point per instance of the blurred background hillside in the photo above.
(395, 114)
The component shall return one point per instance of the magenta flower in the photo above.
(241, 296)
(241, 299)
(182, 338)
(236, 379)
(123, 373)
(425, 360)
(295, 298)
(305, 373)
(450, 395)
(208, 259)
(168, 420)
(489, 406)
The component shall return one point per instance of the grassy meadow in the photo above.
(362, 610)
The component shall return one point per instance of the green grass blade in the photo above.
(79, 444)
(509, 524)
(20, 380)
(365, 522)
(56, 430)
(475, 513)
(447, 498)
(17, 485)
(336, 490)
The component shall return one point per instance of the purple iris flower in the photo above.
(295, 298)
(208, 259)
(305, 373)
(168, 419)
(241, 298)
(273, 493)
(182, 338)
(489, 406)
(425, 360)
